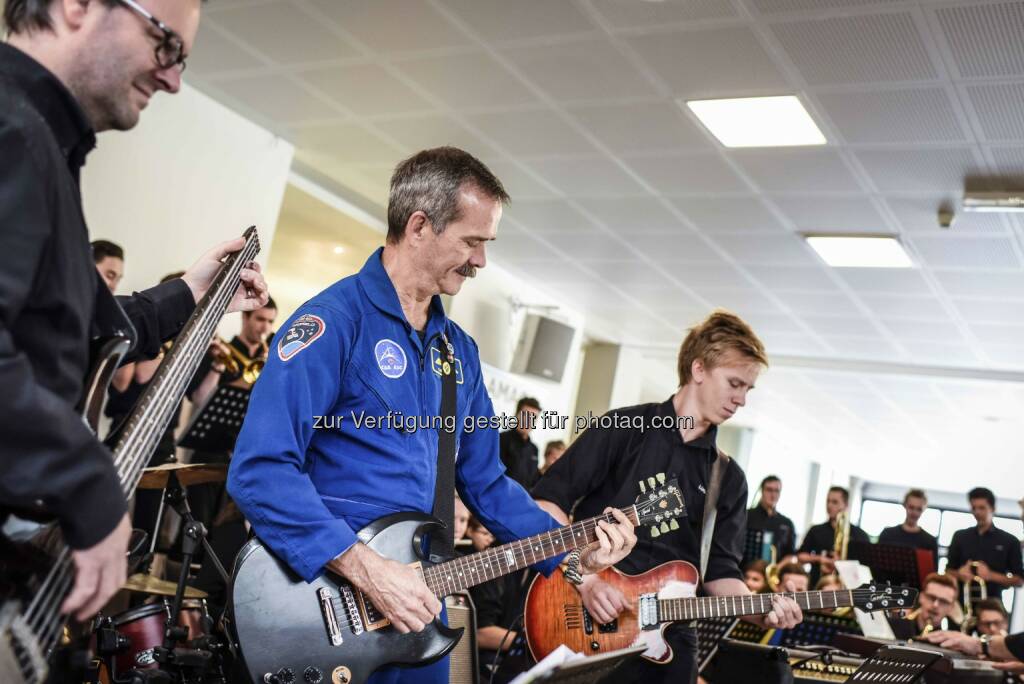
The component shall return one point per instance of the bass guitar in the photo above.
(36, 570)
(555, 613)
(328, 631)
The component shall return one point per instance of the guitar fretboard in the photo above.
(468, 571)
(671, 610)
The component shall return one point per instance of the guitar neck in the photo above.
(468, 571)
(673, 609)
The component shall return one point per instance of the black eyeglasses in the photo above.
(171, 50)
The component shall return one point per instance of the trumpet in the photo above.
(970, 620)
(237, 363)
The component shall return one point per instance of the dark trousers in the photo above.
(682, 669)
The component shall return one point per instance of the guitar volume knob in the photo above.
(313, 675)
(286, 675)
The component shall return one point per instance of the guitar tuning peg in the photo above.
(664, 527)
(654, 531)
(673, 524)
(643, 488)
(661, 478)
(651, 482)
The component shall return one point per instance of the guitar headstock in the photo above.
(875, 597)
(659, 504)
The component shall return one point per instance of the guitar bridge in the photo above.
(348, 599)
(330, 617)
(647, 612)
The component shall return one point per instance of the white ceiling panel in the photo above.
(588, 177)
(984, 38)
(894, 116)
(763, 249)
(721, 276)
(470, 81)
(820, 303)
(214, 53)
(641, 127)
(1002, 311)
(744, 302)
(276, 97)
(998, 107)
(729, 214)
(906, 329)
(977, 253)
(498, 20)
(857, 326)
(627, 14)
(793, 278)
(364, 89)
(807, 170)
(545, 216)
(1007, 285)
(587, 245)
(920, 170)
(680, 59)
(864, 348)
(885, 280)
(627, 215)
(374, 23)
(832, 214)
(520, 183)
(989, 334)
(434, 130)
(675, 249)
(531, 133)
(916, 308)
(921, 216)
(692, 174)
(350, 143)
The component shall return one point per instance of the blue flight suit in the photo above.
(308, 478)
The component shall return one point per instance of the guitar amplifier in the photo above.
(463, 662)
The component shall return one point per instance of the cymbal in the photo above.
(148, 584)
(187, 474)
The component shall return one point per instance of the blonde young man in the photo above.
(718, 364)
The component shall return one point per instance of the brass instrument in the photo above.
(929, 628)
(842, 537)
(771, 572)
(237, 363)
(970, 621)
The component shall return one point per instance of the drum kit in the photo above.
(170, 637)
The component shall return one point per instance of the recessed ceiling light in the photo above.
(338, 249)
(860, 251)
(778, 121)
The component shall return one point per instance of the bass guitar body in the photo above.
(555, 613)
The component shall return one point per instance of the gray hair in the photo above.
(429, 181)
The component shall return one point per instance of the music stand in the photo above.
(590, 669)
(753, 546)
(896, 564)
(709, 632)
(895, 664)
(816, 628)
(215, 427)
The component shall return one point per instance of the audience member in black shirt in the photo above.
(819, 544)
(518, 453)
(765, 516)
(718, 364)
(995, 552)
(910, 533)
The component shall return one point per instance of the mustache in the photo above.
(466, 270)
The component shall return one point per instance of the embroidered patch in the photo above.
(390, 358)
(303, 331)
(438, 363)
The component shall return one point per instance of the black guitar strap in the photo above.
(443, 543)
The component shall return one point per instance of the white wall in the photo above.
(191, 174)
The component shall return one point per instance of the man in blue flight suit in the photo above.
(308, 471)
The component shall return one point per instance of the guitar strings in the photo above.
(58, 580)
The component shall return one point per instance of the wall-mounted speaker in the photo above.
(543, 347)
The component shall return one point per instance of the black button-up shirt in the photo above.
(519, 455)
(897, 536)
(604, 467)
(820, 539)
(999, 549)
(781, 527)
(52, 302)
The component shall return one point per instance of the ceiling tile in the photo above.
(681, 59)
(915, 308)
(741, 302)
(920, 170)
(434, 130)
(1009, 168)
(806, 170)
(519, 248)
(998, 107)
(374, 23)
(965, 284)
(587, 177)
(764, 323)
(860, 48)
(984, 38)
(626, 14)
(776, 6)
(991, 310)
(792, 278)
(531, 133)
(864, 348)
(628, 215)
(1008, 355)
(893, 116)
(938, 330)
(365, 89)
(687, 174)
(727, 214)
(289, 103)
(921, 215)
(591, 69)
(467, 81)
(284, 32)
(640, 128)
(349, 143)
(520, 184)
(796, 344)
(764, 249)
(895, 281)
(587, 245)
(820, 303)
(213, 53)
(714, 275)
(678, 250)
(544, 216)
(999, 334)
(833, 214)
(978, 253)
(499, 20)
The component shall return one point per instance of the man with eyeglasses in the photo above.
(70, 69)
(935, 604)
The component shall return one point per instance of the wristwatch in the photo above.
(984, 645)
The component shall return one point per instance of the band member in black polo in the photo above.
(765, 516)
(818, 546)
(910, 533)
(985, 550)
(518, 452)
(718, 364)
